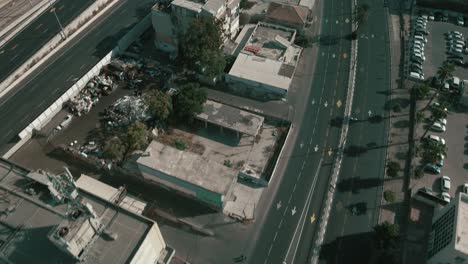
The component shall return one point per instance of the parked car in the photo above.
(432, 168)
(445, 183)
(460, 21)
(443, 121)
(437, 105)
(421, 31)
(431, 16)
(438, 16)
(446, 197)
(445, 16)
(66, 121)
(416, 66)
(416, 76)
(465, 188)
(457, 57)
(434, 138)
(438, 127)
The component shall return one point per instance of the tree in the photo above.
(436, 114)
(114, 149)
(200, 46)
(421, 91)
(419, 116)
(189, 101)
(387, 234)
(360, 17)
(159, 103)
(444, 73)
(136, 137)
(433, 151)
(393, 168)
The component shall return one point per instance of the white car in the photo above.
(454, 36)
(66, 121)
(435, 139)
(445, 183)
(437, 105)
(431, 16)
(443, 121)
(438, 127)
(460, 21)
(465, 188)
(446, 197)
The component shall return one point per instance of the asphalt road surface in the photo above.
(298, 201)
(356, 205)
(22, 105)
(20, 48)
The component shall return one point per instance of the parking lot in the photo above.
(455, 164)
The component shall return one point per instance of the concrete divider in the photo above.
(12, 29)
(55, 107)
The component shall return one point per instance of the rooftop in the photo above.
(231, 117)
(291, 14)
(269, 41)
(263, 70)
(189, 167)
(31, 217)
(190, 5)
(461, 239)
(214, 7)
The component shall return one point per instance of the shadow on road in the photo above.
(356, 184)
(356, 248)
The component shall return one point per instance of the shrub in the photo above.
(418, 172)
(396, 108)
(228, 163)
(393, 168)
(245, 4)
(180, 144)
(389, 196)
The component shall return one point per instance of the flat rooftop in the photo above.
(461, 239)
(269, 41)
(190, 5)
(188, 167)
(230, 117)
(263, 70)
(29, 215)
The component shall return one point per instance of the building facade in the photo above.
(448, 240)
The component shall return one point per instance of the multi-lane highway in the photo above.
(20, 48)
(32, 96)
(298, 201)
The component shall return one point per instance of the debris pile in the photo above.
(98, 86)
(127, 110)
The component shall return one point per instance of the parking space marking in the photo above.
(38, 26)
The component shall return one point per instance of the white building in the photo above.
(448, 240)
(171, 20)
(267, 62)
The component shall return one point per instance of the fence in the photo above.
(55, 107)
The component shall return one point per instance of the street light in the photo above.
(62, 31)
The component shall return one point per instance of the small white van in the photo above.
(416, 76)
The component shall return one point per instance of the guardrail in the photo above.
(56, 106)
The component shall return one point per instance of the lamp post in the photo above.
(62, 31)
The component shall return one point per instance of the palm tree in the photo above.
(436, 114)
(387, 234)
(360, 17)
(444, 73)
(433, 151)
(421, 91)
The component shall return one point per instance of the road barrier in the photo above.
(55, 107)
(325, 214)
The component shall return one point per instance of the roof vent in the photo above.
(63, 231)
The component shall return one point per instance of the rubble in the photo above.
(99, 86)
(127, 110)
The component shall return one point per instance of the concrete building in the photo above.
(47, 219)
(187, 173)
(292, 16)
(448, 240)
(267, 62)
(171, 20)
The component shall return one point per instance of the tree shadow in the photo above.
(337, 122)
(402, 124)
(465, 166)
(354, 150)
(356, 184)
(343, 249)
(401, 155)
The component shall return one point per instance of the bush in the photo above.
(180, 144)
(245, 4)
(389, 196)
(396, 108)
(393, 168)
(228, 163)
(418, 172)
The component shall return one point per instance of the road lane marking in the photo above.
(14, 47)
(345, 55)
(38, 26)
(293, 211)
(278, 205)
(276, 234)
(339, 104)
(312, 218)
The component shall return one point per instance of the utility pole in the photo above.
(62, 31)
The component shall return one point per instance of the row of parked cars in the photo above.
(444, 17)
(417, 45)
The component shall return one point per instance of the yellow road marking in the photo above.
(339, 103)
(312, 218)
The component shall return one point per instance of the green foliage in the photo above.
(227, 163)
(188, 102)
(421, 91)
(245, 4)
(200, 47)
(396, 108)
(418, 172)
(159, 103)
(433, 151)
(419, 116)
(389, 196)
(302, 39)
(445, 71)
(438, 113)
(180, 144)
(393, 168)
(114, 149)
(136, 137)
(387, 234)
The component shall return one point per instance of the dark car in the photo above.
(456, 61)
(436, 82)
(416, 66)
(421, 31)
(416, 60)
(457, 57)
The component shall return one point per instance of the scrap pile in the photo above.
(98, 86)
(127, 110)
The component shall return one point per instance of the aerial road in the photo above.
(33, 37)
(32, 96)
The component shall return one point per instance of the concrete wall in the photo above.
(53, 109)
(235, 82)
(213, 199)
